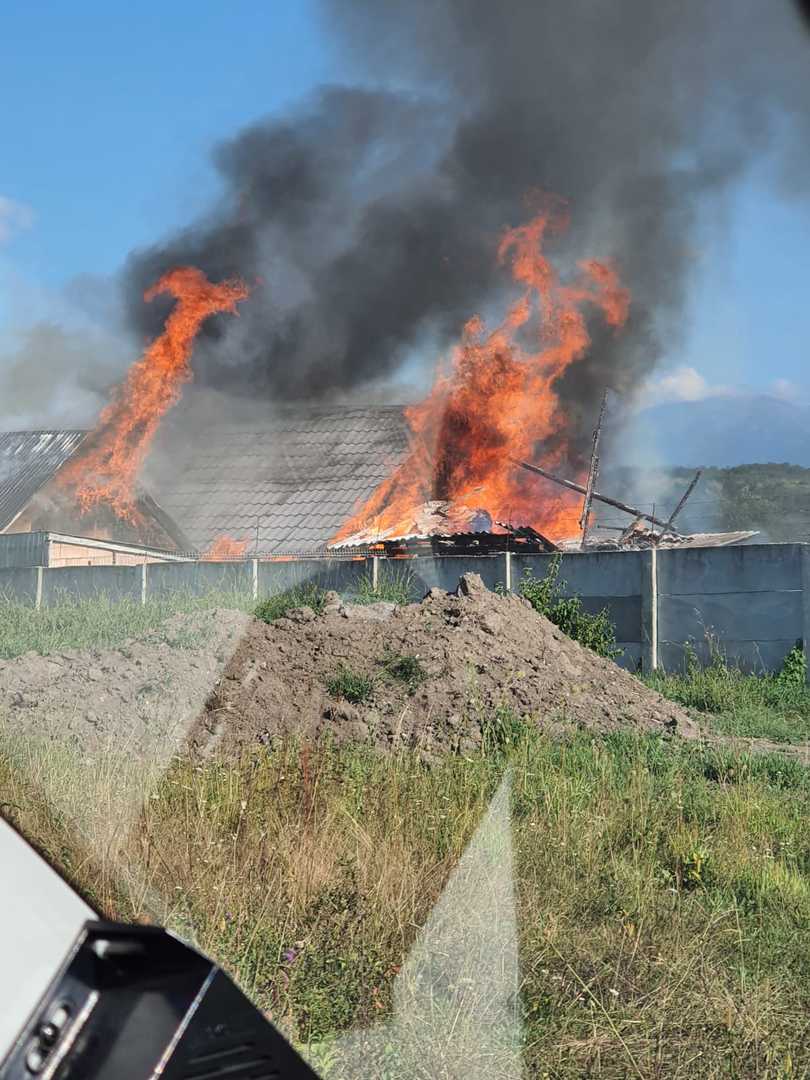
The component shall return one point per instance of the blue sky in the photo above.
(110, 115)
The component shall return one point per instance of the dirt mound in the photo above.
(433, 675)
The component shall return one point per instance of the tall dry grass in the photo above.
(663, 889)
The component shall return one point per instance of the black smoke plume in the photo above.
(369, 216)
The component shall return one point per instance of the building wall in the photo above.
(62, 554)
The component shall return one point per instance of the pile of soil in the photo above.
(222, 680)
(480, 656)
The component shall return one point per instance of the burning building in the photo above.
(33, 499)
(453, 473)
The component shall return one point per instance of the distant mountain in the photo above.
(720, 431)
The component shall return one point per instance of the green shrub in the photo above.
(595, 632)
(794, 669)
(351, 685)
(279, 605)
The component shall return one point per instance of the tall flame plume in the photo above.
(495, 398)
(107, 469)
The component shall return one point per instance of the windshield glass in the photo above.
(398, 598)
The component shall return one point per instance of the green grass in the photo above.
(403, 667)
(774, 707)
(279, 605)
(663, 889)
(105, 622)
(350, 685)
(395, 584)
(98, 623)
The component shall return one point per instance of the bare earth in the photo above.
(482, 654)
(143, 697)
(220, 679)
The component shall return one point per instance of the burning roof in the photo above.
(496, 397)
(31, 495)
(28, 460)
(106, 470)
(428, 521)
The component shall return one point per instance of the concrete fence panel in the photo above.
(19, 585)
(599, 573)
(758, 657)
(341, 575)
(749, 616)
(443, 572)
(71, 584)
(198, 579)
(746, 603)
(758, 568)
(603, 580)
(624, 612)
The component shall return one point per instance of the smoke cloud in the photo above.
(57, 376)
(367, 219)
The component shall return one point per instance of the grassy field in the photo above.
(98, 623)
(103, 622)
(663, 889)
(775, 707)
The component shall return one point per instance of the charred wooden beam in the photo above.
(682, 503)
(615, 503)
(593, 472)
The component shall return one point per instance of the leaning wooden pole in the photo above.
(593, 472)
(595, 495)
(682, 503)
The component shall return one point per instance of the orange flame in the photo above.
(107, 470)
(225, 547)
(497, 400)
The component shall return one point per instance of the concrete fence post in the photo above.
(143, 583)
(649, 610)
(375, 572)
(255, 578)
(40, 575)
(806, 601)
(507, 573)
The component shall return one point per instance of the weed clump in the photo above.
(279, 605)
(350, 685)
(594, 631)
(404, 668)
(394, 586)
(503, 730)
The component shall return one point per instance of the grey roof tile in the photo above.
(29, 459)
(301, 475)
